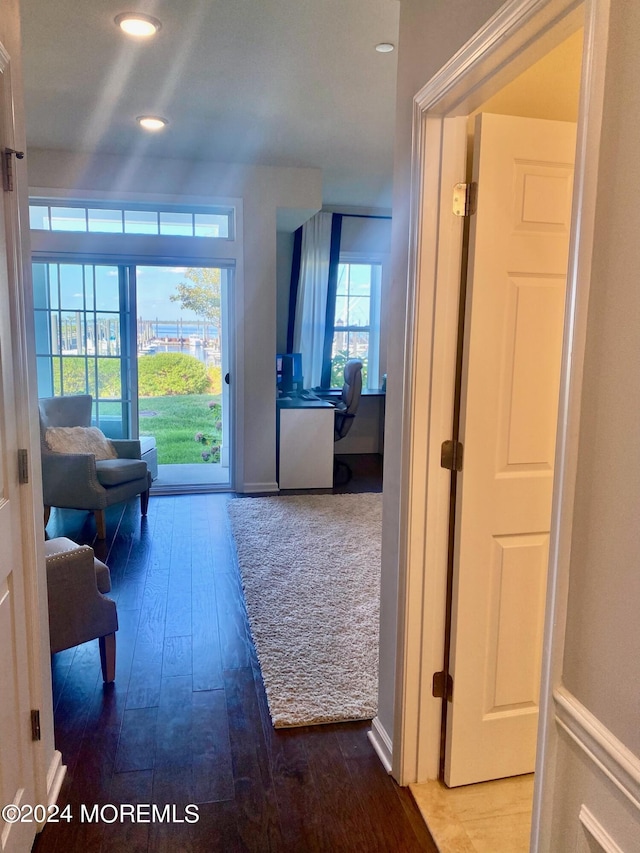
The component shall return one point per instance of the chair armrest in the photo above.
(127, 448)
(70, 480)
(78, 612)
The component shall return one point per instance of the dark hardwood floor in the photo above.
(186, 720)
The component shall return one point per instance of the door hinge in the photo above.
(464, 199)
(35, 724)
(23, 466)
(451, 455)
(7, 167)
(442, 685)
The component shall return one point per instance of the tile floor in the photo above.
(493, 817)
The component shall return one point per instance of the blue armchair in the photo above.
(78, 480)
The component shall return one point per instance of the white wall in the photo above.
(537, 92)
(367, 235)
(601, 667)
(263, 189)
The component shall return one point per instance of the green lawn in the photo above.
(174, 421)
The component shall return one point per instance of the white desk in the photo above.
(305, 444)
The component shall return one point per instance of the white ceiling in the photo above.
(271, 82)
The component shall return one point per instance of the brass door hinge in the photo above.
(465, 198)
(35, 724)
(7, 167)
(442, 686)
(23, 466)
(451, 455)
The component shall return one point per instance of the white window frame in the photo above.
(376, 261)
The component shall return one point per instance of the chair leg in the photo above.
(144, 502)
(101, 523)
(342, 473)
(108, 657)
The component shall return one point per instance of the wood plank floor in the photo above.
(186, 720)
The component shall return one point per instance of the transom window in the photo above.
(131, 219)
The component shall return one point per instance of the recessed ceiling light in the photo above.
(152, 122)
(384, 47)
(136, 24)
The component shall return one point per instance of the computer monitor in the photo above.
(289, 371)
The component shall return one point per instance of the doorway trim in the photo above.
(519, 34)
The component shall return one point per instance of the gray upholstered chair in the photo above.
(78, 609)
(346, 409)
(77, 480)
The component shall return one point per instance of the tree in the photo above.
(201, 294)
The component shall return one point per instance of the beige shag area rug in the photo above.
(310, 567)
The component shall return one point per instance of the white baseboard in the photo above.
(252, 488)
(55, 777)
(600, 745)
(382, 743)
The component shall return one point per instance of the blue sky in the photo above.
(155, 285)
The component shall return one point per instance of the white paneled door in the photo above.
(513, 337)
(16, 774)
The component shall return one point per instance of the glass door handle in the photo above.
(226, 378)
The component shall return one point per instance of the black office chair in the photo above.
(346, 409)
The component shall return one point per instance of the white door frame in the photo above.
(520, 33)
(47, 768)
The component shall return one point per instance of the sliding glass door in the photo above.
(182, 336)
(151, 345)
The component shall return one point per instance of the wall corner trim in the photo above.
(381, 742)
(601, 746)
(596, 832)
(55, 777)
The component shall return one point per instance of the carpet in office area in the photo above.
(310, 567)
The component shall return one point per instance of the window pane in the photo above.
(45, 368)
(110, 412)
(359, 311)
(348, 345)
(342, 286)
(71, 287)
(108, 334)
(39, 217)
(68, 219)
(177, 224)
(105, 221)
(74, 375)
(107, 288)
(56, 367)
(211, 225)
(140, 222)
(81, 332)
(360, 279)
(42, 329)
(342, 311)
(56, 335)
(54, 276)
(358, 345)
(109, 384)
(40, 285)
(115, 220)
